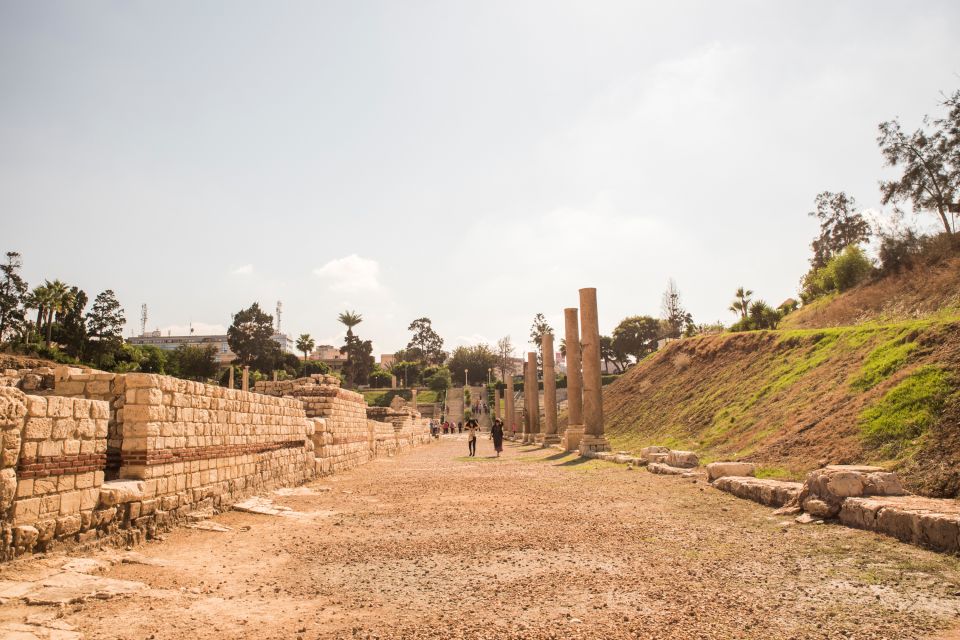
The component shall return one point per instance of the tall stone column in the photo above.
(529, 379)
(496, 402)
(230, 383)
(413, 398)
(593, 438)
(509, 413)
(574, 432)
(245, 381)
(550, 435)
(535, 432)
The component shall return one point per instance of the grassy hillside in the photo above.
(792, 399)
(924, 291)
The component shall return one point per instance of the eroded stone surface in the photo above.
(927, 522)
(716, 470)
(773, 493)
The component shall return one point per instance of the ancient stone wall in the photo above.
(73, 382)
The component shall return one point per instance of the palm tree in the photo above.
(59, 299)
(742, 303)
(350, 319)
(38, 299)
(305, 343)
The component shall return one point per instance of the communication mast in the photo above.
(143, 319)
(279, 312)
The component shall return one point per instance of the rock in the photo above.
(209, 525)
(665, 469)
(927, 522)
(716, 470)
(117, 492)
(683, 459)
(648, 453)
(807, 518)
(826, 489)
(819, 508)
(773, 493)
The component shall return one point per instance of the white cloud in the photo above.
(199, 329)
(350, 274)
(243, 270)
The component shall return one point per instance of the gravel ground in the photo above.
(533, 545)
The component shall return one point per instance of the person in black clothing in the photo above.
(496, 433)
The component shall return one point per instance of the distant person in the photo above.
(460, 427)
(496, 434)
(472, 427)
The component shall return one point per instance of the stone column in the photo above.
(509, 414)
(275, 375)
(574, 431)
(231, 377)
(245, 381)
(496, 403)
(413, 398)
(550, 435)
(527, 403)
(593, 439)
(535, 434)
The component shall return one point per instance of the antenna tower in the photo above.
(143, 319)
(279, 312)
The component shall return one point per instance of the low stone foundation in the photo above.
(926, 522)
(772, 493)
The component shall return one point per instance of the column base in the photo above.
(550, 439)
(593, 444)
(537, 438)
(527, 438)
(571, 438)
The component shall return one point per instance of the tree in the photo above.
(611, 355)
(349, 319)
(37, 299)
(504, 355)
(251, 338)
(840, 226)
(105, 327)
(13, 292)
(407, 371)
(538, 329)
(760, 315)
(476, 361)
(439, 381)
(741, 302)
(71, 329)
(59, 297)
(930, 162)
(193, 362)
(360, 361)
(380, 378)
(636, 336)
(427, 341)
(305, 344)
(675, 317)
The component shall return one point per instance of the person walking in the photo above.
(472, 426)
(496, 433)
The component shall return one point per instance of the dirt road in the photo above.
(534, 545)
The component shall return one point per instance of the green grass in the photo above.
(883, 362)
(905, 412)
(775, 473)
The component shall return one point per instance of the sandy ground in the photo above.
(534, 545)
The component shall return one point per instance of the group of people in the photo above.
(472, 428)
(480, 407)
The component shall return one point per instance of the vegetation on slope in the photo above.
(792, 400)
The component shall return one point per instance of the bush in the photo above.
(842, 272)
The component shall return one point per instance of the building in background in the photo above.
(170, 343)
(387, 360)
(330, 356)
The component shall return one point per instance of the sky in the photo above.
(472, 162)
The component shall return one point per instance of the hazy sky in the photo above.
(474, 162)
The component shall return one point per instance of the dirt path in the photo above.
(535, 545)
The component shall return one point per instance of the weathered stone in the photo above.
(683, 459)
(773, 493)
(120, 492)
(717, 470)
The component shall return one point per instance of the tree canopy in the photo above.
(426, 342)
(250, 337)
(840, 226)
(636, 336)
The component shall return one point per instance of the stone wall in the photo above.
(74, 382)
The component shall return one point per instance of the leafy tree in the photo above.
(380, 378)
(476, 361)
(427, 341)
(439, 381)
(194, 362)
(538, 329)
(930, 162)
(360, 361)
(349, 319)
(71, 327)
(611, 355)
(154, 359)
(105, 327)
(760, 315)
(504, 357)
(13, 292)
(407, 371)
(251, 338)
(37, 299)
(636, 336)
(840, 226)
(675, 317)
(305, 344)
(741, 302)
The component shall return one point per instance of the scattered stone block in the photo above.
(772, 493)
(716, 470)
(927, 522)
(683, 459)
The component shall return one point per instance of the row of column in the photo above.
(584, 430)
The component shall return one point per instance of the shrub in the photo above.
(842, 272)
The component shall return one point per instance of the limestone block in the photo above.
(773, 493)
(717, 470)
(25, 536)
(665, 469)
(38, 428)
(117, 492)
(26, 511)
(68, 525)
(683, 459)
(70, 503)
(8, 488)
